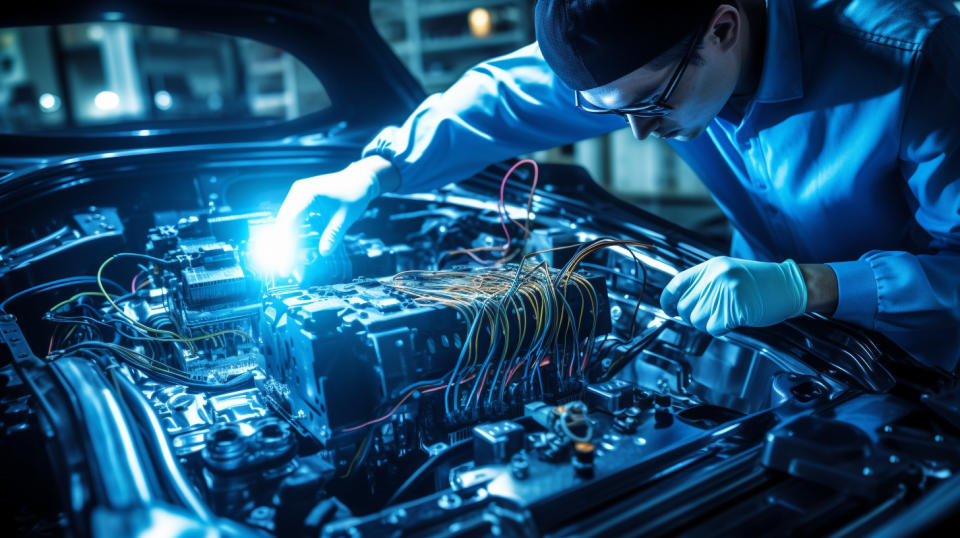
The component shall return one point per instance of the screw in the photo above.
(450, 501)
(397, 515)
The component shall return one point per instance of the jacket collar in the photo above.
(781, 78)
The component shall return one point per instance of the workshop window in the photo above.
(118, 74)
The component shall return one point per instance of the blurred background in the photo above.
(89, 76)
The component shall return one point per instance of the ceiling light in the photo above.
(49, 102)
(481, 24)
(163, 100)
(106, 100)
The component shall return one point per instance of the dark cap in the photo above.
(589, 43)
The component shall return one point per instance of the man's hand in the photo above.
(725, 293)
(340, 198)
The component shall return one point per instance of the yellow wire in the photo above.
(356, 456)
(121, 312)
(75, 297)
(70, 332)
(174, 336)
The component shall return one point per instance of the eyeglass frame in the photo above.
(659, 108)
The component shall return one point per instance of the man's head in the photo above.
(668, 67)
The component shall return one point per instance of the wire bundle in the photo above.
(521, 319)
(106, 326)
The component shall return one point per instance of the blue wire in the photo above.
(486, 363)
(456, 368)
(573, 326)
(539, 377)
(58, 284)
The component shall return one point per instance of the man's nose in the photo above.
(642, 127)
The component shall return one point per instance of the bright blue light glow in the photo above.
(106, 100)
(95, 32)
(271, 251)
(49, 102)
(163, 100)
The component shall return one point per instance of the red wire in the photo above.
(543, 363)
(501, 211)
(384, 417)
(482, 381)
(476, 258)
(510, 375)
(587, 352)
(394, 410)
(503, 185)
(441, 387)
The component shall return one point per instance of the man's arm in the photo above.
(915, 298)
(503, 107)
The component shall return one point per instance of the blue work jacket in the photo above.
(847, 154)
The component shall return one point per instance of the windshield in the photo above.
(96, 76)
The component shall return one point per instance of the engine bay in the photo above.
(457, 366)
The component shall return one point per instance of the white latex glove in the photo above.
(339, 197)
(725, 293)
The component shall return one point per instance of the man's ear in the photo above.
(724, 28)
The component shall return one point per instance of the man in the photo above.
(828, 132)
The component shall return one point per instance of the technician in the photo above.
(828, 132)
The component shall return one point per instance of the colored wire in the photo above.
(133, 283)
(519, 321)
(504, 216)
(171, 336)
(60, 284)
(361, 449)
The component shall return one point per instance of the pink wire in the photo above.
(482, 381)
(384, 417)
(503, 185)
(133, 285)
(394, 410)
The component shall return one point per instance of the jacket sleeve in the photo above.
(914, 298)
(503, 107)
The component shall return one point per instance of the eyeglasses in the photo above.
(658, 108)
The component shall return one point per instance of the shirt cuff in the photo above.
(381, 147)
(857, 292)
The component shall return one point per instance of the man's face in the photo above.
(702, 91)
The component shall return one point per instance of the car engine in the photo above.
(457, 366)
